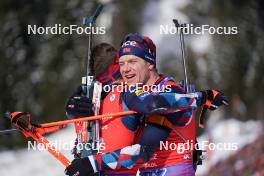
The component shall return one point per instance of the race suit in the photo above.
(123, 151)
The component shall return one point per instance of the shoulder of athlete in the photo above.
(174, 87)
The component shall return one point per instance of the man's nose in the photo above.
(126, 67)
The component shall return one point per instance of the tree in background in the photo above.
(231, 63)
(38, 72)
(234, 62)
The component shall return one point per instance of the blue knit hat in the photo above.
(138, 45)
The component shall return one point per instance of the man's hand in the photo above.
(80, 167)
(79, 105)
(213, 99)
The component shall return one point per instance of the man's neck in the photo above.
(153, 78)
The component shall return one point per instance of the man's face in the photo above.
(134, 69)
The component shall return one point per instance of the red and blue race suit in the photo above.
(124, 153)
(170, 158)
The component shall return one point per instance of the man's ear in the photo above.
(151, 66)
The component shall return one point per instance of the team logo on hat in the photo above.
(126, 50)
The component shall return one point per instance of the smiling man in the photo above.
(138, 65)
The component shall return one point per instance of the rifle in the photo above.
(90, 132)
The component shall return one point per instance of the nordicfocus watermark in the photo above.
(66, 146)
(203, 145)
(203, 29)
(58, 29)
(123, 87)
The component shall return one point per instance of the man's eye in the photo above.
(121, 63)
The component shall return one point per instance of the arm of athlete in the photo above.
(175, 105)
(149, 103)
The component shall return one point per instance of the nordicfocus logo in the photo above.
(58, 29)
(123, 87)
(191, 145)
(66, 146)
(203, 29)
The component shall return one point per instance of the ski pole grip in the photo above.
(91, 20)
(97, 12)
(176, 23)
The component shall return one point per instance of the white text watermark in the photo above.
(202, 145)
(66, 146)
(203, 29)
(58, 29)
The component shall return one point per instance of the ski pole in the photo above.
(8, 131)
(180, 27)
(186, 86)
(204, 108)
(90, 118)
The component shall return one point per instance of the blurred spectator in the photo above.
(249, 160)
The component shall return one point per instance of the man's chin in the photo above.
(131, 83)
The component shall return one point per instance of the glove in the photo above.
(212, 99)
(78, 105)
(81, 167)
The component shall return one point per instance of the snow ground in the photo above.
(38, 163)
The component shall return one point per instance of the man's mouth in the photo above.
(130, 76)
